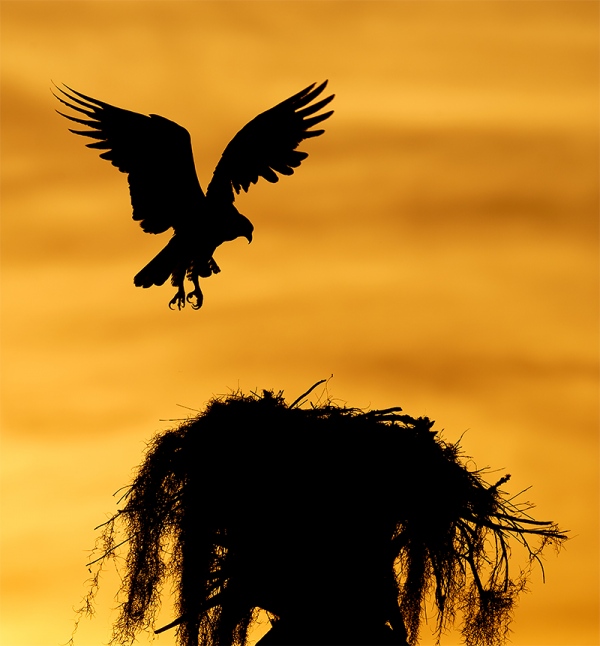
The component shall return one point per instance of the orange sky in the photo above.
(437, 251)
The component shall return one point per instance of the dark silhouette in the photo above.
(337, 522)
(165, 192)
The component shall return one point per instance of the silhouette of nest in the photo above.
(254, 476)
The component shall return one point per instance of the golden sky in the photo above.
(438, 250)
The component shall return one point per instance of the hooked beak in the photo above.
(249, 238)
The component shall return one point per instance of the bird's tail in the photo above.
(160, 267)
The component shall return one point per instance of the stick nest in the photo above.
(242, 494)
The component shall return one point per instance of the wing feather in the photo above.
(267, 145)
(154, 152)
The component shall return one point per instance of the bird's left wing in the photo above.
(267, 145)
(155, 153)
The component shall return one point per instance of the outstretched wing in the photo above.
(155, 153)
(267, 145)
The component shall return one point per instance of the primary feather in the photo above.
(156, 154)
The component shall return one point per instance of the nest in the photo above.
(257, 504)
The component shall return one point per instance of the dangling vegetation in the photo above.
(229, 498)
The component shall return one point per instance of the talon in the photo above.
(178, 299)
(199, 298)
(213, 266)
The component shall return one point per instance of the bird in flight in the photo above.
(156, 154)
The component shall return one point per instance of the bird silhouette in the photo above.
(156, 154)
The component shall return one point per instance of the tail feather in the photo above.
(159, 268)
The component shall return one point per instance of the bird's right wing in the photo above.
(155, 153)
(267, 145)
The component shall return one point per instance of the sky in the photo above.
(438, 251)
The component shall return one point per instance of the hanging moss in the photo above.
(257, 504)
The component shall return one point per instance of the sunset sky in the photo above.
(438, 251)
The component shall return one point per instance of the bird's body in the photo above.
(156, 154)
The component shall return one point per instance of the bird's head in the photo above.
(243, 226)
(248, 228)
(234, 225)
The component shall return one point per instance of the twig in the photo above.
(307, 392)
(103, 556)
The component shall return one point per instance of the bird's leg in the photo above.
(178, 299)
(196, 297)
(177, 278)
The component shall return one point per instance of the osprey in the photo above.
(156, 154)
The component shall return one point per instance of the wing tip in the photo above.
(306, 96)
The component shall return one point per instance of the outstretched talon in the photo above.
(178, 299)
(213, 266)
(195, 298)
